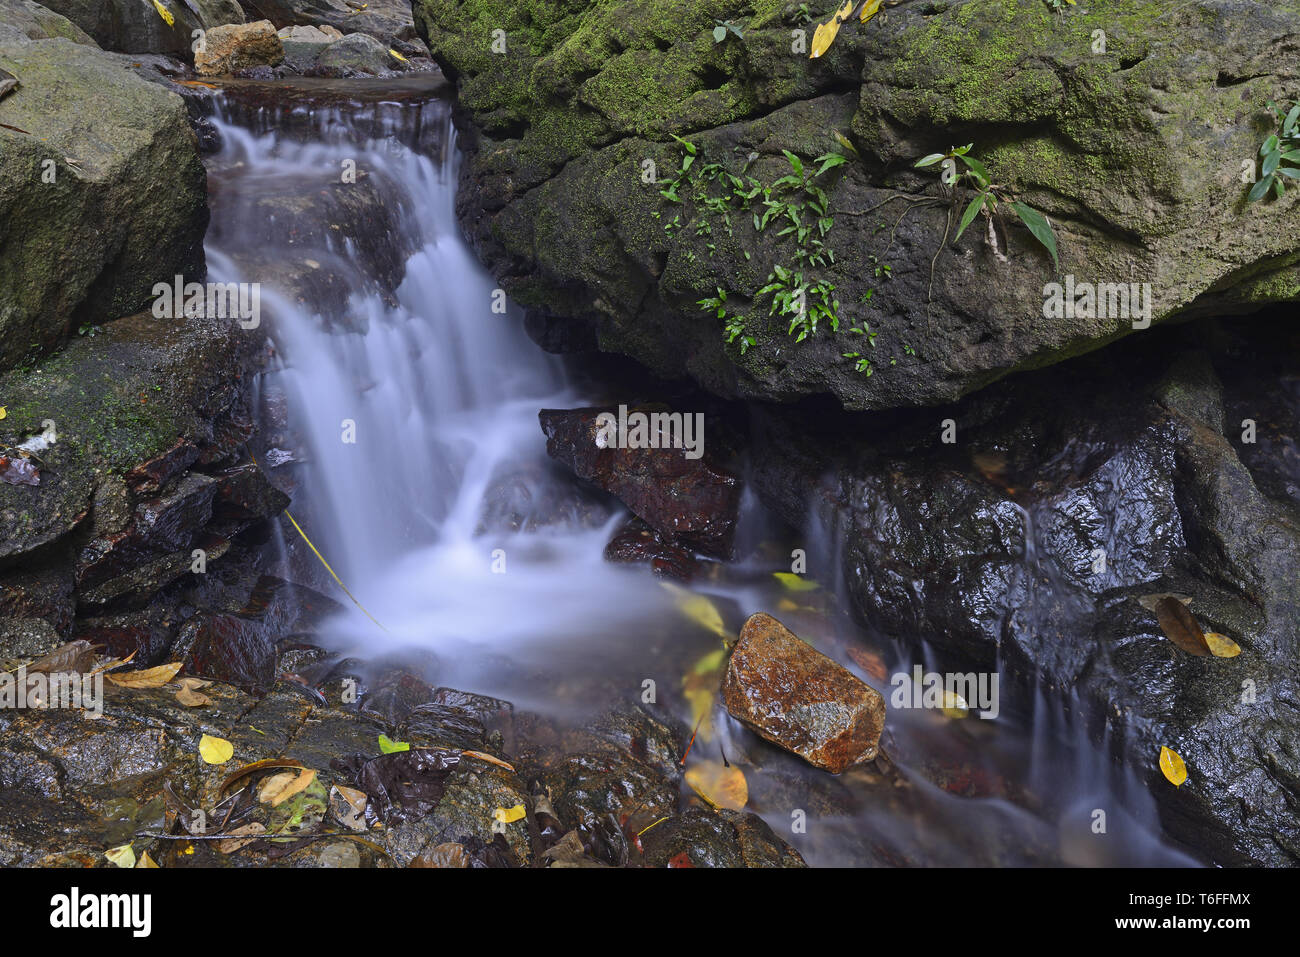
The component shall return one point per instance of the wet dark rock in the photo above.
(529, 497)
(637, 542)
(693, 502)
(797, 698)
(149, 478)
(134, 26)
(145, 635)
(357, 54)
(46, 594)
(703, 838)
(245, 494)
(25, 638)
(989, 550)
(558, 335)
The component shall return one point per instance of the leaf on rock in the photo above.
(215, 750)
(826, 32)
(146, 861)
(489, 759)
(189, 695)
(1149, 602)
(253, 768)
(75, 656)
(278, 788)
(389, 746)
(1221, 646)
(1172, 766)
(164, 13)
(148, 677)
(348, 805)
(123, 856)
(1180, 627)
(719, 785)
(508, 815)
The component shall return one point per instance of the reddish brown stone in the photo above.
(797, 698)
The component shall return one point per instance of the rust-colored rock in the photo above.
(797, 698)
(238, 46)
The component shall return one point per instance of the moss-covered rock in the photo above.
(101, 194)
(1130, 131)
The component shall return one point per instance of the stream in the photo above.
(410, 419)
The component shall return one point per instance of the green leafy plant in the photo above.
(1280, 153)
(1058, 6)
(723, 28)
(990, 199)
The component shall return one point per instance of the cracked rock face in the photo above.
(1135, 154)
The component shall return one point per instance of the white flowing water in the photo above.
(410, 411)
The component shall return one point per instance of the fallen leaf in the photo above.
(720, 785)
(146, 861)
(1149, 601)
(123, 856)
(76, 656)
(701, 701)
(18, 470)
(710, 663)
(348, 806)
(699, 609)
(869, 10)
(278, 788)
(3, 412)
(241, 837)
(215, 750)
(489, 759)
(1172, 767)
(388, 746)
(509, 815)
(253, 768)
(1221, 646)
(164, 13)
(189, 695)
(795, 582)
(1180, 627)
(147, 678)
(826, 32)
(396, 55)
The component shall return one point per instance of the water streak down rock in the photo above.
(794, 696)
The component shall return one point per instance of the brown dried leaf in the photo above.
(256, 766)
(1180, 626)
(278, 788)
(76, 656)
(148, 678)
(188, 695)
(253, 829)
(489, 759)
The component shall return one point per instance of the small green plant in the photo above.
(1280, 154)
(87, 329)
(723, 28)
(805, 302)
(1058, 6)
(989, 199)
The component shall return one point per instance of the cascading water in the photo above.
(414, 408)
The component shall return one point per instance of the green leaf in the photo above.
(1290, 172)
(1269, 146)
(1270, 163)
(719, 34)
(972, 211)
(388, 746)
(830, 161)
(1040, 227)
(1260, 190)
(1289, 123)
(929, 160)
(976, 167)
(795, 163)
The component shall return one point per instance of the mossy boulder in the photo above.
(101, 194)
(1131, 132)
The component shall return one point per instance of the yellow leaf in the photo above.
(123, 856)
(795, 582)
(720, 786)
(1221, 646)
(215, 750)
(3, 412)
(701, 700)
(164, 13)
(148, 678)
(826, 32)
(954, 705)
(872, 7)
(146, 861)
(710, 662)
(699, 609)
(1172, 767)
(509, 815)
(397, 55)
